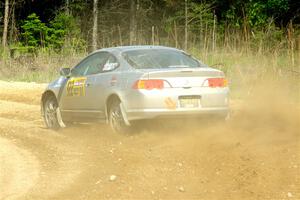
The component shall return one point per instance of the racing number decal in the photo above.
(76, 86)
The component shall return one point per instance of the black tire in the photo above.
(116, 118)
(50, 115)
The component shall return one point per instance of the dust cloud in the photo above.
(253, 155)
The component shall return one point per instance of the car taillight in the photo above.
(149, 84)
(215, 82)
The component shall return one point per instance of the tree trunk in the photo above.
(214, 35)
(290, 32)
(175, 33)
(67, 7)
(153, 35)
(120, 35)
(133, 24)
(95, 25)
(6, 19)
(12, 24)
(186, 28)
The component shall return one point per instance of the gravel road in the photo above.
(255, 155)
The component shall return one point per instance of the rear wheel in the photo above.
(116, 118)
(50, 113)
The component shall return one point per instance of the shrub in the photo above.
(34, 32)
(61, 30)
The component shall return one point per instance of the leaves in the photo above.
(37, 34)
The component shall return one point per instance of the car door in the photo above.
(79, 89)
(104, 83)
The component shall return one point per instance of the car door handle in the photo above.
(113, 81)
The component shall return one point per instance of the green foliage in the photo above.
(34, 32)
(256, 13)
(57, 33)
(257, 27)
(277, 8)
(67, 27)
(260, 12)
(199, 15)
(62, 28)
(232, 17)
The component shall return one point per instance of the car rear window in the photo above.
(160, 58)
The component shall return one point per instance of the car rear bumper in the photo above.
(166, 103)
(176, 113)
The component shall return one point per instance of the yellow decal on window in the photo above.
(76, 86)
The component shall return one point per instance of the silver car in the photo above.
(120, 85)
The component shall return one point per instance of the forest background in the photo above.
(247, 39)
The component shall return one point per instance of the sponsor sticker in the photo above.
(76, 86)
(170, 104)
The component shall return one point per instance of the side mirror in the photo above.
(66, 72)
(110, 66)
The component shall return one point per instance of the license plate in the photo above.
(189, 102)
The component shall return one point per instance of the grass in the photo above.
(244, 69)
(42, 68)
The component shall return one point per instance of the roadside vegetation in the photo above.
(249, 40)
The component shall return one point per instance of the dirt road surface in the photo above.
(255, 155)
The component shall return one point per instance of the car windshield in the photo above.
(160, 58)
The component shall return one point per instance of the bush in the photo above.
(64, 30)
(34, 32)
(61, 30)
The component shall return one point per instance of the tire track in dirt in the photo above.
(253, 156)
(59, 163)
(20, 111)
(29, 93)
(19, 170)
(39, 162)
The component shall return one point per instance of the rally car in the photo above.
(120, 85)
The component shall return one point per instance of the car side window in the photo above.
(91, 65)
(110, 64)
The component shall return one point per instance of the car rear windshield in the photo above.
(160, 58)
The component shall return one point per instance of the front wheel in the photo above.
(50, 113)
(116, 118)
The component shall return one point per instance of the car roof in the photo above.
(136, 47)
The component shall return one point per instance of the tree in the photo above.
(133, 23)
(67, 7)
(34, 32)
(186, 25)
(168, 22)
(6, 19)
(95, 25)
